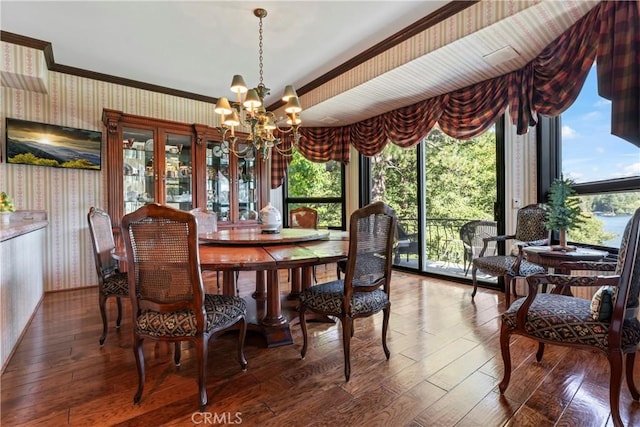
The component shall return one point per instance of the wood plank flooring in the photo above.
(444, 370)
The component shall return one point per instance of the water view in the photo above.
(614, 224)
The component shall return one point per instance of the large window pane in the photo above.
(318, 186)
(602, 166)
(394, 180)
(460, 186)
(589, 151)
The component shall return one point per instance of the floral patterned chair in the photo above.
(112, 283)
(365, 289)
(530, 230)
(561, 319)
(170, 303)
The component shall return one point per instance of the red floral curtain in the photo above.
(547, 85)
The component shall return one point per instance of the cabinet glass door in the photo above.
(178, 171)
(218, 180)
(138, 168)
(247, 188)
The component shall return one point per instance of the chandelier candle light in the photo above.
(263, 124)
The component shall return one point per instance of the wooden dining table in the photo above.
(233, 250)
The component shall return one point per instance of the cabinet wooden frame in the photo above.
(115, 121)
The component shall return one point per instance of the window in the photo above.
(319, 186)
(605, 168)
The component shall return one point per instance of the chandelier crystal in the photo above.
(266, 132)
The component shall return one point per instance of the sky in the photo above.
(589, 151)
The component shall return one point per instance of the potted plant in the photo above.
(6, 207)
(564, 211)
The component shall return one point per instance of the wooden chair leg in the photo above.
(119, 304)
(102, 301)
(202, 350)
(177, 353)
(137, 352)
(631, 359)
(475, 283)
(507, 290)
(540, 351)
(505, 336)
(241, 338)
(385, 326)
(347, 326)
(303, 326)
(615, 365)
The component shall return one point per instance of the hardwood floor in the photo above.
(444, 369)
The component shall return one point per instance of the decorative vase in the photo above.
(5, 217)
(270, 219)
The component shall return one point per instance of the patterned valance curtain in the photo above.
(547, 85)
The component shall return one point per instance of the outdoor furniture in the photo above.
(111, 281)
(365, 288)
(406, 244)
(530, 230)
(472, 235)
(168, 302)
(608, 323)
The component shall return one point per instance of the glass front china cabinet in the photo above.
(180, 165)
(232, 190)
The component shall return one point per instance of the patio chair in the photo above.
(530, 230)
(406, 244)
(112, 283)
(472, 234)
(607, 323)
(168, 302)
(365, 288)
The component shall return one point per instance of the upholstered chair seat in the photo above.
(327, 298)
(568, 319)
(498, 265)
(116, 283)
(221, 312)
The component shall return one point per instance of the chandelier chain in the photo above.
(260, 52)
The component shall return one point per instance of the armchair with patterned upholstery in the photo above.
(530, 230)
(607, 323)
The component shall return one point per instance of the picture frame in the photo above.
(42, 144)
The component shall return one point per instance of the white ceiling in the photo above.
(197, 46)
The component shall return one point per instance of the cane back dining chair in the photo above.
(304, 217)
(365, 289)
(472, 234)
(168, 301)
(530, 230)
(561, 319)
(112, 283)
(207, 221)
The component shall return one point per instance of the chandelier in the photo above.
(267, 132)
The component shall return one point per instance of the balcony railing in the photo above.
(442, 244)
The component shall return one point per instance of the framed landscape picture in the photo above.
(42, 144)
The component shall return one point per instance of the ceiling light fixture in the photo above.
(263, 124)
